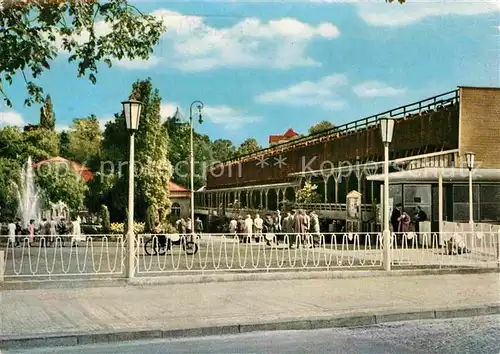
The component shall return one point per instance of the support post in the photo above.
(130, 221)
(440, 203)
(387, 232)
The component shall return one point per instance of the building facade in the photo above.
(427, 164)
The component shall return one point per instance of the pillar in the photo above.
(440, 202)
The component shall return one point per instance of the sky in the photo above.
(261, 67)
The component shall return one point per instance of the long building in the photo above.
(427, 165)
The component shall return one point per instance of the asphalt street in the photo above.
(466, 335)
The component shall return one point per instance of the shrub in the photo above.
(104, 214)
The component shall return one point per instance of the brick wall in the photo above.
(480, 125)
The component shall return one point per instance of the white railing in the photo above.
(104, 256)
(51, 257)
(228, 253)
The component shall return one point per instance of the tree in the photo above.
(320, 127)
(9, 178)
(248, 146)
(179, 150)
(47, 116)
(223, 149)
(153, 169)
(84, 139)
(33, 33)
(41, 144)
(400, 1)
(64, 144)
(308, 194)
(12, 143)
(60, 182)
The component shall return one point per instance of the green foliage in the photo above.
(84, 139)
(153, 169)
(41, 144)
(12, 143)
(320, 127)
(151, 218)
(38, 143)
(248, 146)
(223, 150)
(9, 178)
(308, 194)
(60, 182)
(33, 33)
(105, 220)
(179, 149)
(400, 1)
(47, 116)
(64, 144)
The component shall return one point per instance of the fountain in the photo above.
(27, 195)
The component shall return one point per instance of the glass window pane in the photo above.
(490, 193)
(490, 212)
(461, 212)
(461, 193)
(417, 194)
(396, 192)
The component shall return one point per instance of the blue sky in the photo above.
(262, 67)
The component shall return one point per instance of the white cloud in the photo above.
(192, 45)
(377, 89)
(322, 93)
(168, 109)
(61, 128)
(228, 117)
(137, 64)
(11, 118)
(394, 15)
(105, 119)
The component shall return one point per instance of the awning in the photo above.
(256, 187)
(431, 174)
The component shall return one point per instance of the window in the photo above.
(176, 209)
(490, 202)
(461, 202)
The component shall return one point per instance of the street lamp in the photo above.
(199, 106)
(132, 112)
(470, 165)
(386, 130)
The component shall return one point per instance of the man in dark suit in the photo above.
(396, 213)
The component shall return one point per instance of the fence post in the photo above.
(2, 265)
(498, 248)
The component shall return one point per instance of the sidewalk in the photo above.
(188, 306)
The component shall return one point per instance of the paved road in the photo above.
(469, 335)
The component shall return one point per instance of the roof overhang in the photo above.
(256, 187)
(431, 174)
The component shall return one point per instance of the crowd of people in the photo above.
(48, 230)
(301, 227)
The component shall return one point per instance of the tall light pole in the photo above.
(199, 106)
(386, 130)
(470, 165)
(132, 112)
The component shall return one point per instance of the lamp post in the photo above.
(386, 130)
(470, 165)
(132, 112)
(199, 106)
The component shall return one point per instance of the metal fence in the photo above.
(103, 256)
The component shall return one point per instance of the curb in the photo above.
(359, 320)
(230, 277)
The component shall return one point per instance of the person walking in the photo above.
(258, 225)
(12, 234)
(198, 226)
(315, 229)
(31, 232)
(248, 228)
